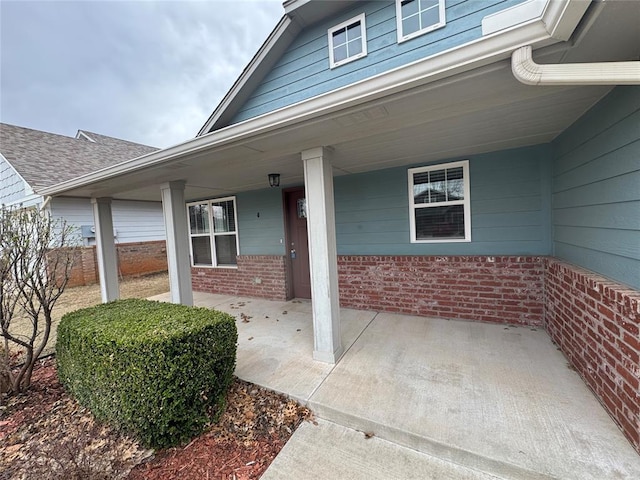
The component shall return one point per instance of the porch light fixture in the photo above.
(274, 179)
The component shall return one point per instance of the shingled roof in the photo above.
(44, 159)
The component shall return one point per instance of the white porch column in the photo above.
(106, 249)
(321, 224)
(176, 226)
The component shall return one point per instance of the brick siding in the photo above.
(138, 258)
(84, 269)
(596, 323)
(141, 258)
(489, 289)
(593, 320)
(261, 276)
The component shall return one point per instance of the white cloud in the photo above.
(150, 72)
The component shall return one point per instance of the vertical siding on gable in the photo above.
(12, 187)
(596, 188)
(510, 211)
(261, 222)
(303, 71)
(133, 221)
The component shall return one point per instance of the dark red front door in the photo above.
(298, 243)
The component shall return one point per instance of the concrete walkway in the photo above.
(437, 399)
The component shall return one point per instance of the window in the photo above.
(415, 17)
(439, 204)
(347, 41)
(213, 232)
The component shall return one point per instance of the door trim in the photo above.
(287, 239)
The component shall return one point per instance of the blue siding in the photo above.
(261, 222)
(596, 189)
(509, 209)
(303, 71)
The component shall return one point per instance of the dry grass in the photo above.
(88, 296)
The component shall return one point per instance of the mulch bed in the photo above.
(45, 434)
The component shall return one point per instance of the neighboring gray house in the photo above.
(477, 160)
(31, 160)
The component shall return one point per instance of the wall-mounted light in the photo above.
(274, 179)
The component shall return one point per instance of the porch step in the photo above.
(426, 445)
(329, 450)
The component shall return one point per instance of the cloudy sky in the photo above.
(146, 71)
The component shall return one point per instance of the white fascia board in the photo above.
(14, 169)
(481, 52)
(291, 5)
(81, 134)
(549, 12)
(560, 17)
(28, 187)
(29, 200)
(248, 72)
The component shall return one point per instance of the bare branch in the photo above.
(36, 256)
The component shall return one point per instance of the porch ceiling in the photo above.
(479, 111)
(486, 111)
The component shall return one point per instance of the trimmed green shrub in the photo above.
(158, 370)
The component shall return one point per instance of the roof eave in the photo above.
(486, 50)
(281, 36)
(8, 162)
(298, 14)
(291, 5)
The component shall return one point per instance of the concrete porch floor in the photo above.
(443, 399)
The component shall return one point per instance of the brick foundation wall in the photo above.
(142, 258)
(138, 258)
(85, 267)
(596, 324)
(594, 321)
(501, 289)
(261, 276)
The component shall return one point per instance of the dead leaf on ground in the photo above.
(46, 434)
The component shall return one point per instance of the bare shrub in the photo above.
(36, 255)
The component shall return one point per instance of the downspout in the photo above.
(605, 73)
(47, 199)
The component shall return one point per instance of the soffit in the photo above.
(486, 111)
(475, 112)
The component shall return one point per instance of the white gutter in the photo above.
(605, 73)
(483, 51)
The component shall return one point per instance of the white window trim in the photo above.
(404, 38)
(212, 234)
(359, 18)
(466, 202)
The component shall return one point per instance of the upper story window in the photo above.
(347, 41)
(213, 232)
(415, 17)
(439, 203)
